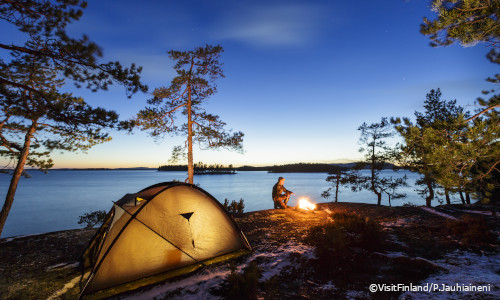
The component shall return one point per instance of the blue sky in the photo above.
(301, 76)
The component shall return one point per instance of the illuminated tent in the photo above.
(163, 231)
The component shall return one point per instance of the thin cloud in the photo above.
(283, 25)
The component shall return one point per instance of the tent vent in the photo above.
(138, 200)
(187, 215)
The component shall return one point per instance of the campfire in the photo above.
(306, 205)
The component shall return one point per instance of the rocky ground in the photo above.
(418, 246)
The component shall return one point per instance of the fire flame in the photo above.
(306, 205)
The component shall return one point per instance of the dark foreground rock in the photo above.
(416, 245)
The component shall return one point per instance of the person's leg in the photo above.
(278, 203)
(281, 204)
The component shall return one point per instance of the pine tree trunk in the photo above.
(18, 171)
(190, 139)
(389, 200)
(461, 196)
(447, 195)
(467, 197)
(428, 199)
(337, 190)
(379, 198)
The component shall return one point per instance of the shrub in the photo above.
(234, 208)
(92, 219)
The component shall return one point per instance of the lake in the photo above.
(53, 201)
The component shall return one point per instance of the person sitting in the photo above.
(280, 194)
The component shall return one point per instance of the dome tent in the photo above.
(163, 231)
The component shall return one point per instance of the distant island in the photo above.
(309, 168)
(319, 168)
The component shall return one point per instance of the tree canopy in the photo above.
(468, 22)
(446, 150)
(76, 59)
(464, 21)
(53, 120)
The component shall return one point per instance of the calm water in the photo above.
(53, 201)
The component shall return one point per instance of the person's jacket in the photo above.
(279, 190)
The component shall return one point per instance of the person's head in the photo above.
(281, 180)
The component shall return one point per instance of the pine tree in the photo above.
(421, 139)
(390, 186)
(377, 153)
(340, 177)
(471, 22)
(33, 124)
(36, 117)
(197, 71)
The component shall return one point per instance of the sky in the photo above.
(301, 76)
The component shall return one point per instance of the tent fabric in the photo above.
(159, 229)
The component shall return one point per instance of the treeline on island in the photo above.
(201, 169)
